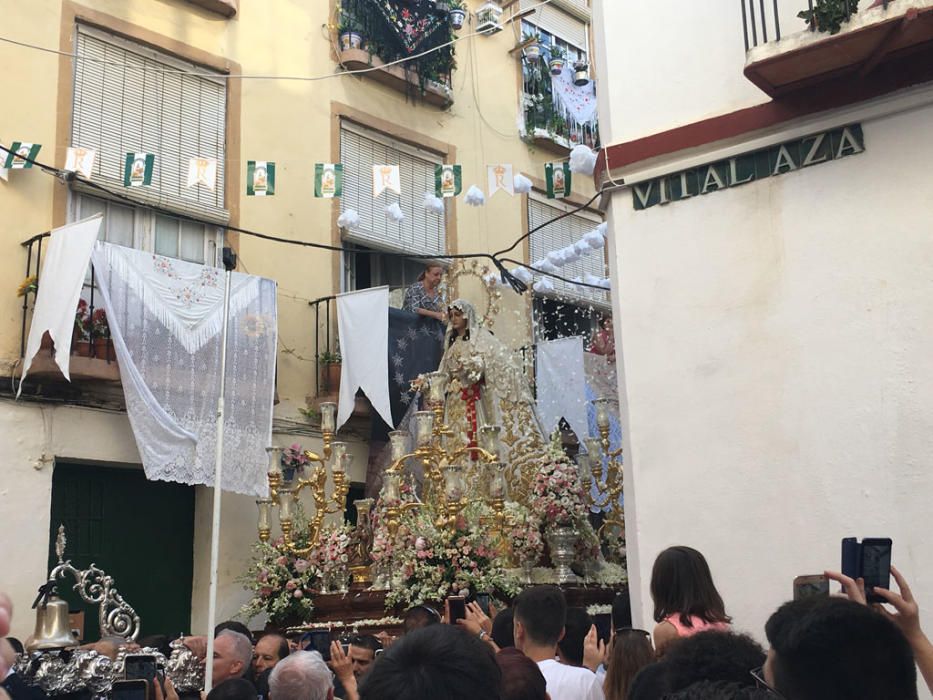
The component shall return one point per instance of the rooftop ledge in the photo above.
(395, 77)
(869, 37)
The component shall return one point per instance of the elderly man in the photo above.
(270, 649)
(301, 676)
(232, 656)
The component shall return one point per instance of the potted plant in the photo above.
(456, 13)
(293, 460)
(81, 338)
(532, 50)
(828, 15)
(581, 73)
(557, 61)
(100, 333)
(330, 371)
(350, 35)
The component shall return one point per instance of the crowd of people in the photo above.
(820, 648)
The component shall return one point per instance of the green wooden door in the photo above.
(140, 532)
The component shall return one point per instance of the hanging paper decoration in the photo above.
(395, 213)
(349, 219)
(202, 171)
(447, 180)
(522, 273)
(260, 178)
(386, 177)
(594, 239)
(328, 180)
(80, 160)
(575, 103)
(433, 204)
(137, 171)
(582, 160)
(557, 176)
(475, 197)
(544, 285)
(500, 178)
(521, 184)
(16, 157)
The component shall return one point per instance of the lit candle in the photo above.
(424, 427)
(328, 416)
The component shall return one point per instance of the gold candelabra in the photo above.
(444, 485)
(599, 455)
(284, 494)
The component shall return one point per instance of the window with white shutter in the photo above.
(556, 26)
(420, 232)
(560, 234)
(132, 98)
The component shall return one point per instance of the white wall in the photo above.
(673, 62)
(776, 348)
(33, 435)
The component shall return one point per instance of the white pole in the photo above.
(218, 473)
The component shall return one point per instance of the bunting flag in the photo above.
(138, 169)
(557, 176)
(260, 178)
(386, 177)
(19, 152)
(4, 173)
(500, 178)
(328, 180)
(202, 171)
(447, 180)
(80, 160)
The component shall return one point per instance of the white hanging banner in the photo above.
(363, 328)
(386, 177)
(500, 178)
(64, 265)
(202, 171)
(80, 160)
(561, 382)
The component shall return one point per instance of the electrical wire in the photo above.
(506, 276)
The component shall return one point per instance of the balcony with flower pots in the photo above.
(840, 41)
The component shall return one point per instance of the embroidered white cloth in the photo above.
(576, 104)
(166, 321)
(363, 327)
(561, 382)
(63, 268)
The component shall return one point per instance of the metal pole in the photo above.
(764, 22)
(745, 24)
(22, 337)
(218, 474)
(751, 11)
(777, 21)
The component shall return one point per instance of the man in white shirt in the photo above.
(540, 615)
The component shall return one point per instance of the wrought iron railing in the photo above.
(87, 333)
(761, 20)
(325, 337)
(541, 117)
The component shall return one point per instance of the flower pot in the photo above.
(457, 17)
(562, 541)
(557, 65)
(351, 40)
(81, 348)
(330, 378)
(103, 349)
(533, 52)
(581, 74)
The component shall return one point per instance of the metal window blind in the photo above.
(555, 21)
(134, 107)
(560, 234)
(420, 232)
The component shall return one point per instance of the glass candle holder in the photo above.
(594, 449)
(489, 439)
(498, 485)
(275, 459)
(337, 450)
(343, 463)
(391, 490)
(286, 501)
(585, 467)
(424, 428)
(364, 507)
(453, 483)
(437, 386)
(398, 441)
(602, 412)
(328, 416)
(263, 505)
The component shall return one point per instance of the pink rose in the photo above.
(281, 561)
(265, 592)
(298, 593)
(291, 585)
(419, 544)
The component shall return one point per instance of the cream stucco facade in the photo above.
(291, 122)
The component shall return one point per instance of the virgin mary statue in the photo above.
(486, 386)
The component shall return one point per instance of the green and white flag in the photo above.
(260, 178)
(557, 176)
(19, 151)
(328, 180)
(138, 169)
(447, 180)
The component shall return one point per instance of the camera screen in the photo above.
(140, 666)
(876, 565)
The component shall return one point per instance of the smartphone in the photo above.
(851, 557)
(876, 566)
(456, 608)
(809, 586)
(320, 642)
(136, 689)
(140, 666)
(603, 622)
(482, 599)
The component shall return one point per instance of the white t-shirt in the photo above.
(570, 682)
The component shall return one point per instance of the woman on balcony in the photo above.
(423, 297)
(486, 386)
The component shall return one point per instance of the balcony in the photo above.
(837, 45)
(396, 77)
(92, 354)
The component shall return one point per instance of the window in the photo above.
(420, 232)
(369, 268)
(131, 98)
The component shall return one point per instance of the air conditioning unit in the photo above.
(487, 18)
